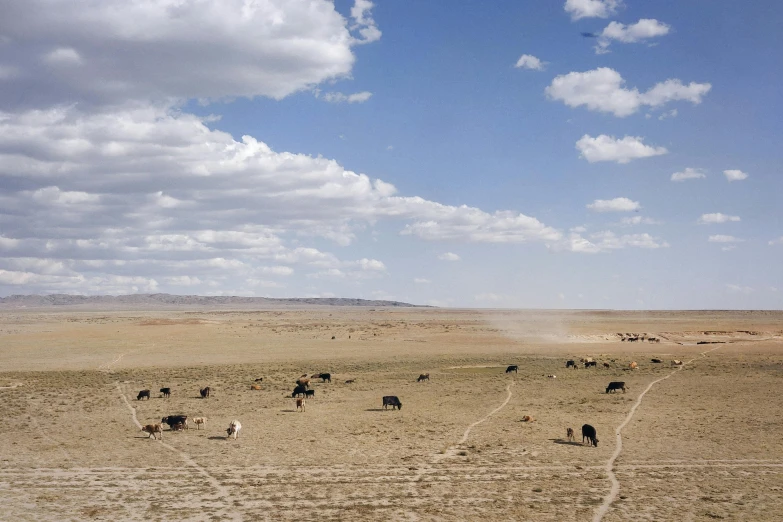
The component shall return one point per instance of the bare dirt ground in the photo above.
(701, 441)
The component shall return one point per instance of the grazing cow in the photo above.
(423, 377)
(152, 429)
(616, 385)
(527, 418)
(512, 368)
(299, 391)
(175, 420)
(570, 364)
(551, 376)
(588, 432)
(259, 379)
(676, 362)
(300, 405)
(205, 392)
(570, 434)
(393, 401)
(198, 421)
(588, 364)
(633, 365)
(255, 387)
(586, 359)
(142, 394)
(325, 377)
(233, 429)
(310, 393)
(178, 426)
(303, 381)
(607, 365)
(350, 381)
(166, 392)
(656, 361)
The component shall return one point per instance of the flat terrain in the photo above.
(701, 441)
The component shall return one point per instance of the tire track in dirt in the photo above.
(224, 493)
(15, 385)
(609, 468)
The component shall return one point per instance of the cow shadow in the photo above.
(566, 442)
(375, 409)
(217, 437)
(288, 411)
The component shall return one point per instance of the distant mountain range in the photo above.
(137, 301)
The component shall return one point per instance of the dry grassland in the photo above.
(703, 443)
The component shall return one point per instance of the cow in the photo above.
(175, 420)
(205, 392)
(588, 364)
(528, 418)
(233, 429)
(259, 379)
(299, 391)
(676, 362)
(656, 361)
(551, 376)
(588, 432)
(586, 359)
(570, 434)
(423, 377)
(350, 381)
(255, 387)
(391, 400)
(633, 365)
(325, 377)
(152, 429)
(300, 405)
(310, 393)
(198, 421)
(571, 364)
(512, 368)
(166, 392)
(607, 365)
(142, 394)
(616, 385)
(303, 381)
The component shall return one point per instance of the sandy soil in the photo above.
(700, 441)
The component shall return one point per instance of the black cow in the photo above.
(512, 368)
(205, 392)
(588, 432)
(615, 385)
(166, 392)
(299, 391)
(571, 364)
(657, 361)
(325, 377)
(175, 422)
(310, 393)
(259, 379)
(391, 400)
(588, 364)
(142, 394)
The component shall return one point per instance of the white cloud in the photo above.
(140, 50)
(639, 220)
(668, 114)
(609, 148)
(591, 8)
(449, 256)
(720, 238)
(717, 217)
(778, 241)
(602, 90)
(644, 29)
(606, 241)
(614, 205)
(739, 289)
(688, 173)
(490, 297)
(421, 281)
(338, 97)
(527, 61)
(734, 175)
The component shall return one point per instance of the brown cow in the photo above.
(570, 434)
(423, 377)
(300, 405)
(633, 365)
(152, 429)
(255, 387)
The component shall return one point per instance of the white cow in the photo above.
(233, 429)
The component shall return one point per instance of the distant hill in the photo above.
(137, 301)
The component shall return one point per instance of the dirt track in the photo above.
(702, 444)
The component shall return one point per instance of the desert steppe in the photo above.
(701, 441)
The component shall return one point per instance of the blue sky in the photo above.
(521, 163)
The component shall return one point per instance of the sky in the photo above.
(601, 154)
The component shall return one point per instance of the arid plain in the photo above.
(701, 441)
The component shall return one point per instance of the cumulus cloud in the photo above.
(527, 61)
(609, 148)
(607, 241)
(644, 29)
(591, 8)
(639, 220)
(688, 173)
(602, 90)
(716, 218)
(734, 175)
(720, 238)
(138, 50)
(778, 241)
(449, 256)
(338, 97)
(614, 205)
